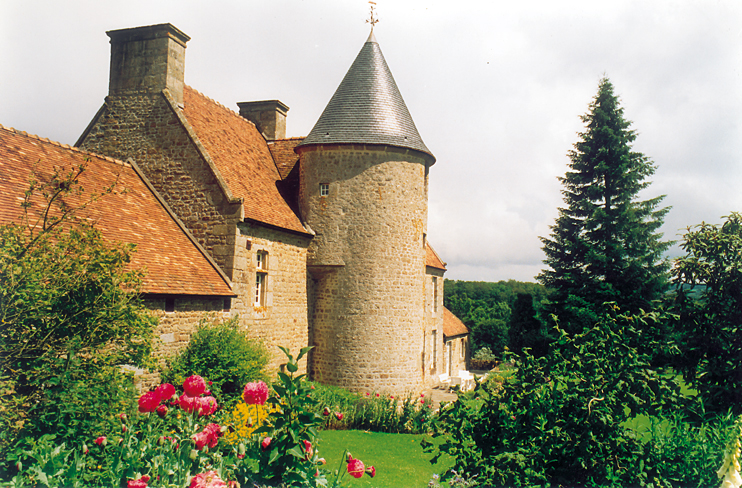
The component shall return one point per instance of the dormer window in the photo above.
(324, 189)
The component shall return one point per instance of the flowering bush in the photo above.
(178, 441)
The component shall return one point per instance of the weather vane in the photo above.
(372, 19)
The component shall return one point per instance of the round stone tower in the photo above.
(364, 192)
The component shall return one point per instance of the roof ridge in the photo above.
(229, 110)
(64, 146)
(295, 138)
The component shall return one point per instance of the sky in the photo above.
(496, 90)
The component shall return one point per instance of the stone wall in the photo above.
(282, 318)
(367, 260)
(146, 128)
(434, 347)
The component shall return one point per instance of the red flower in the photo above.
(138, 483)
(377, 395)
(266, 443)
(101, 441)
(165, 391)
(326, 411)
(308, 449)
(85, 449)
(255, 393)
(123, 428)
(188, 403)
(162, 410)
(148, 402)
(338, 415)
(194, 386)
(209, 479)
(371, 471)
(355, 467)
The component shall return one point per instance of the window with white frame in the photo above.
(261, 278)
(324, 189)
(433, 348)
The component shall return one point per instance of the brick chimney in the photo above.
(269, 116)
(148, 59)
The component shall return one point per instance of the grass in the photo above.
(398, 458)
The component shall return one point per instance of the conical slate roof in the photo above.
(367, 108)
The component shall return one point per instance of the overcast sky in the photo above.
(496, 90)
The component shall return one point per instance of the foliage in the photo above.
(374, 412)
(525, 330)
(604, 246)
(220, 351)
(492, 334)
(69, 309)
(560, 418)
(171, 443)
(681, 453)
(709, 329)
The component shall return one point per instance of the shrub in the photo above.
(221, 352)
(560, 419)
(70, 313)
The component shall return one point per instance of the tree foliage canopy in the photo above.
(604, 246)
(70, 312)
(710, 328)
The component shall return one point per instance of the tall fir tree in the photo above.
(605, 245)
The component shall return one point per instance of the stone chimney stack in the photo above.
(269, 116)
(148, 59)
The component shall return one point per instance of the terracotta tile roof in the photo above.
(241, 155)
(432, 259)
(452, 326)
(174, 264)
(284, 155)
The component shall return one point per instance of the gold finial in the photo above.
(372, 19)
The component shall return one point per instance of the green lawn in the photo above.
(398, 458)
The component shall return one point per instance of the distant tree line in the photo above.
(499, 315)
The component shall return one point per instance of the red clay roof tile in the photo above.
(452, 326)
(284, 155)
(173, 262)
(432, 259)
(241, 155)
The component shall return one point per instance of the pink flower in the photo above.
(122, 416)
(138, 483)
(148, 402)
(371, 471)
(194, 386)
(422, 400)
(355, 467)
(209, 479)
(308, 449)
(377, 395)
(255, 393)
(101, 441)
(162, 410)
(165, 391)
(338, 415)
(123, 428)
(206, 406)
(208, 437)
(266, 443)
(367, 393)
(188, 403)
(233, 484)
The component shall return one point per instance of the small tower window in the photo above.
(261, 260)
(324, 189)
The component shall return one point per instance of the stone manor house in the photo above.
(315, 241)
